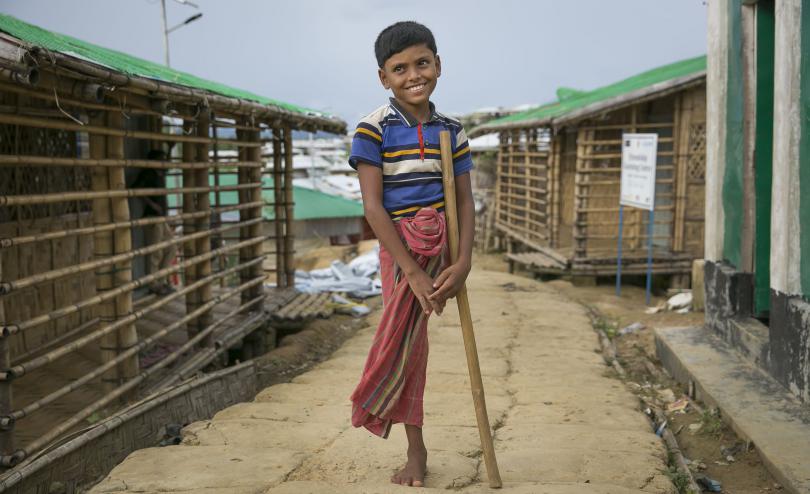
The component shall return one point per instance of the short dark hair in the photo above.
(399, 36)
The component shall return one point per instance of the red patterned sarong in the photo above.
(393, 381)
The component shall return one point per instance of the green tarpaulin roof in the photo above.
(309, 204)
(128, 64)
(572, 102)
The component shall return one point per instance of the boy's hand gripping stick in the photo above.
(451, 214)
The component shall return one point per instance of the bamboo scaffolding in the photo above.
(20, 370)
(7, 287)
(122, 357)
(43, 237)
(10, 329)
(29, 160)
(121, 390)
(105, 131)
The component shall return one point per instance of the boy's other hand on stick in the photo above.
(422, 287)
(449, 282)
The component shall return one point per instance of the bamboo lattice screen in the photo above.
(74, 244)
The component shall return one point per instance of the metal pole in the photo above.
(619, 253)
(165, 33)
(649, 254)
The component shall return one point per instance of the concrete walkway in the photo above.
(562, 425)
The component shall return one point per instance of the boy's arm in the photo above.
(450, 281)
(371, 188)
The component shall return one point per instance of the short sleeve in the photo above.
(366, 146)
(462, 158)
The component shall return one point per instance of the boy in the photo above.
(396, 153)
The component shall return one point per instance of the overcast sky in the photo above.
(319, 53)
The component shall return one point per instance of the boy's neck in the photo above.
(420, 112)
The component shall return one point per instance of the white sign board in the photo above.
(639, 153)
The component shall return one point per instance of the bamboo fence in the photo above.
(557, 189)
(76, 142)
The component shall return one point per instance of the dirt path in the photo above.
(561, 424)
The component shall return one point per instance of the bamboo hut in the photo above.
(558, 175)
(78, 125)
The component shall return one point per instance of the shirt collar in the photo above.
(409, 119)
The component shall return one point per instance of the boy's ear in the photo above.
(438, 66)
(383, 79)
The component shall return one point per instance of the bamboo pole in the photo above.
(203, 224)
(245, 214)
(254, 175)
(476, 383)
(7, 432)
(289, 207)
(683, 117)
(105, 131)
(32, 199)
(216, 218)
(102, 248)
(127, 336)
(189, 206)
(121, 390)
(281, 272)
(29, 160)
(131, 352)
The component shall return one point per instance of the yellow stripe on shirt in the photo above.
(459, 153)
(368, 132)
(394, 154)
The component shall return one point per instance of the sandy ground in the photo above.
(562, 424)
(707, 443)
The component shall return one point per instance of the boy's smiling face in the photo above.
(411, 75)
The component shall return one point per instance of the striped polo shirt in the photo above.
(408, 153)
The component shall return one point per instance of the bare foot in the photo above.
(413, 474)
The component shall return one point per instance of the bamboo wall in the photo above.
(73, 275)
(562, 193)
(522, 185)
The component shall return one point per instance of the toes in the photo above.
(418, 483)
(408, 481)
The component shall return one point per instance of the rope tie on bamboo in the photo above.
(9, 329)
(7, 422)
(13, 459)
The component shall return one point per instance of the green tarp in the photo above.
(571, 100)
(128, 64)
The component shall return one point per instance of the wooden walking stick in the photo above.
(477, 385)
